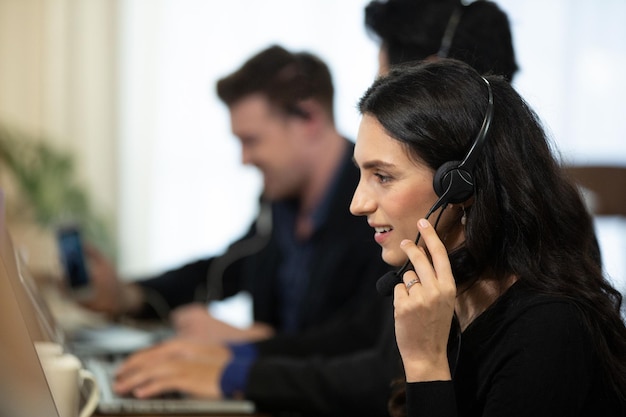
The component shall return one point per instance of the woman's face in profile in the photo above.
(394, 191)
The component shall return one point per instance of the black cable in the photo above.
(238, 250)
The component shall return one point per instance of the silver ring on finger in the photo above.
(411, 283)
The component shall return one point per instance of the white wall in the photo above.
(572, 56)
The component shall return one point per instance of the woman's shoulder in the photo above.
(523, 310)
(522, 299)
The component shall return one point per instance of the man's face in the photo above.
(272, 142)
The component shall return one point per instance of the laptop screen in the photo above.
(23, 387)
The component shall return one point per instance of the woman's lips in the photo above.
(382, 233)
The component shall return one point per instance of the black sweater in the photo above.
(527, 355)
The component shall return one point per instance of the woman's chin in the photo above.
(394, 259)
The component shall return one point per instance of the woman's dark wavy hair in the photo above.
(527, 218)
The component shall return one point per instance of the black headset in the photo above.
(453, 183)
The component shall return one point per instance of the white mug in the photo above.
(46, 349)
(67, 379)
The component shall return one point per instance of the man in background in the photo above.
(306, 257)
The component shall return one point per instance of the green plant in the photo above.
(45, 178)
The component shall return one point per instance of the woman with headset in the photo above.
(501, 306)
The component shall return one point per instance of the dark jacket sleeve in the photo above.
(194, 281)
(355, 384)
(173, 288)
(351, 330)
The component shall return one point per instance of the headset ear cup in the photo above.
(455, 183)
(441, 180)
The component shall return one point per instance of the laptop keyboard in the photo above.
(110, 402)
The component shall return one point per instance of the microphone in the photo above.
(387, 282)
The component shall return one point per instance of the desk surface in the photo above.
(180, 415)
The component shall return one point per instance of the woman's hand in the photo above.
(173, 366)
(424, 306)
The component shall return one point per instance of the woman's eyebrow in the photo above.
(374, 164)
(377, 164)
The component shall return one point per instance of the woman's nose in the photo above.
(361, 204)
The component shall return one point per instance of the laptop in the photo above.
(111, 403)
(24, 391)
(38, 323)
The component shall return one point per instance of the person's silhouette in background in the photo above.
(412, 30)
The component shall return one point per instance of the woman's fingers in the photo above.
(436, 248)
(432, 268)
(423, 308)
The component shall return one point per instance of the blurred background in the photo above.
(119, 98)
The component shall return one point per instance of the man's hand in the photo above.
(110, 296)
(173, 366)
(194, 322)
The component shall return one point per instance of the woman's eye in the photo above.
(383, 178)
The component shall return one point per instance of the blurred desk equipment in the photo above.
(604, 190)
(107, 343)
(604, 187)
